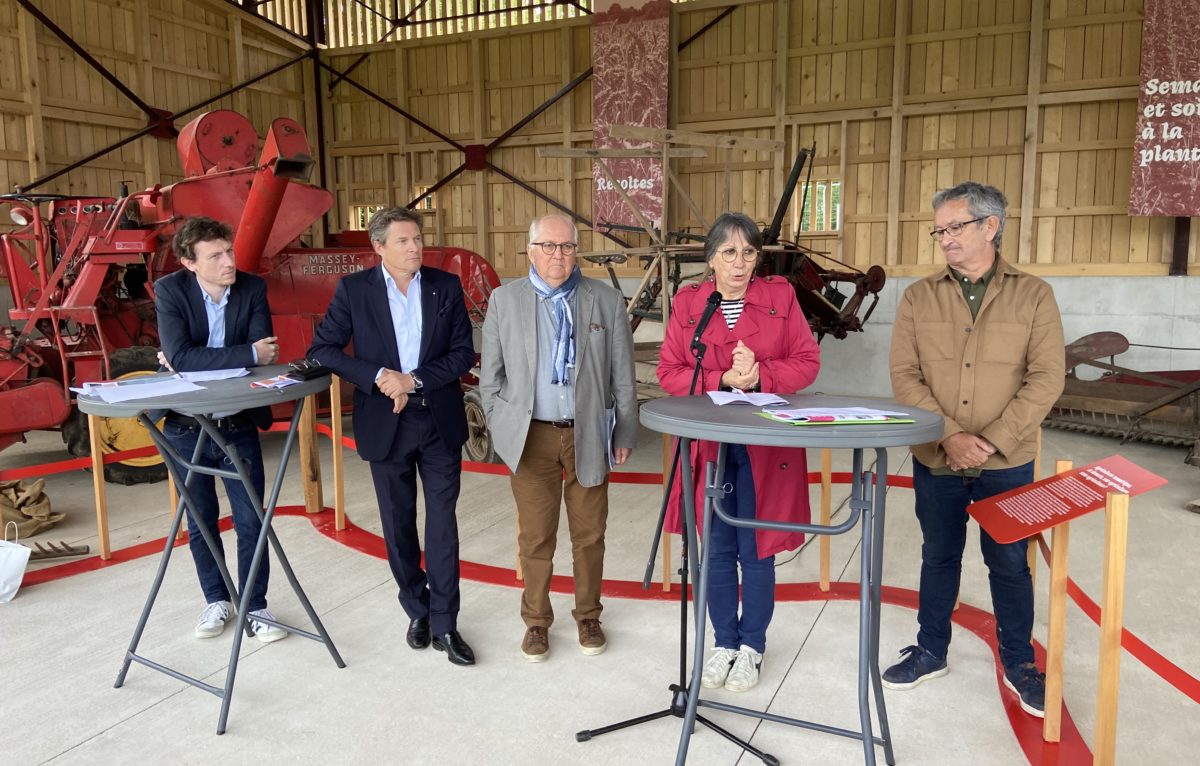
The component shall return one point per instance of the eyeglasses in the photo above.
(567, 248)
(729, 254)
(954, 229)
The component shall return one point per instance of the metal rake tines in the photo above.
(53, 551)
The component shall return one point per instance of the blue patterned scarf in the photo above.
(564, 323)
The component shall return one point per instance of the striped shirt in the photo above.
(732, 310)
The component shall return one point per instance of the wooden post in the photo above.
(98, 488)
(310, 457)
(339, 462)
(1060, 541)
(666, 536)
(826, 514)
(1116, 530)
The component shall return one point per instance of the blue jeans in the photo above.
(729, 548)
(203, 492)
(942, 510)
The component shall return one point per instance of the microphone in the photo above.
(710, 308)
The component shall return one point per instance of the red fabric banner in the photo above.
(629, 87)
(1166, 151)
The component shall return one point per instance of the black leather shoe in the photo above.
(418, 633)
(456, 649)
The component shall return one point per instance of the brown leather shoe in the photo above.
(591, 637)
(536, 646)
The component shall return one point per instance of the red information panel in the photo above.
(1025, 511)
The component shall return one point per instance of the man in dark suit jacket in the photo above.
(412, 343)
(213, 317)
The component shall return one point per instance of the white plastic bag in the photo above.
(13, 558)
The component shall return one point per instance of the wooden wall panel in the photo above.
(172, 54)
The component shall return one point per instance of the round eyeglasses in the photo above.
(567, 248)
(730, 254)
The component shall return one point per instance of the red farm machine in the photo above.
(81, 271)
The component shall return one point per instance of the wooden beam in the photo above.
(1112, 608)
(339, 458)
(1060, 541)
(1029, 177)
(98, 488)
(34, 130)
(554, 152)
(671, 136)
(895, 163)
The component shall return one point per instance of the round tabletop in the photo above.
(230, 395)
(696, 417)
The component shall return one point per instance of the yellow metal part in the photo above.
(119, 434)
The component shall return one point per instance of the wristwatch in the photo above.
(418, 384)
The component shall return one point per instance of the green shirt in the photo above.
(973, 292)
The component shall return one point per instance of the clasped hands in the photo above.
(266, 352)
(964, 450)
(397, 386)
(744, 372)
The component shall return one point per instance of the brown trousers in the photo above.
(545, 474)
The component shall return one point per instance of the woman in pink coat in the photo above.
(760, 341)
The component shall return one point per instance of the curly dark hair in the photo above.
(195, 230)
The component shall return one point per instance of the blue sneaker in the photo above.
(918, 665)
(1030, 685)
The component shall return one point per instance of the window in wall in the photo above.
(360, 214)
(423, 197)
(822, 206)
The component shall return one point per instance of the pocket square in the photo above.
(596, 327)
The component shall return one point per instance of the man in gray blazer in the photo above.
(558, 388)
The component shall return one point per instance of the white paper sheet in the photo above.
(735, 396)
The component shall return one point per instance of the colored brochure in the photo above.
(737, 396)
(279, 381)
(835, 416)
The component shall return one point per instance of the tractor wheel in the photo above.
(119, 434)
(479, 447)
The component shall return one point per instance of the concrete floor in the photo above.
(63, 642)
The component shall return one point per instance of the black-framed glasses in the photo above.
(954, 229)
(729, 254)
(567, 248)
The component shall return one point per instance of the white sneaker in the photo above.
(265, 631)
(743, 676)
(717, 667)
(212, 620)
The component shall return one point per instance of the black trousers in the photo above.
(417, 448)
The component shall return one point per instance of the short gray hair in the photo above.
(537, 224)
(983, 201)
(383, 218)
(725, 226)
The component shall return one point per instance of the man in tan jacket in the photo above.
(981, 344)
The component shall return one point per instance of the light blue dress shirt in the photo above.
(215, 310)
(406, 320)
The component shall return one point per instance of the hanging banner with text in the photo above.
(1166, 152)
(629, 87)
(1025, 511)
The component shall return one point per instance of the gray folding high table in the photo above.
(220, 396)
(696, 417)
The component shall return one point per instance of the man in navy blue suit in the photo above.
(213, 317)
(412, 343)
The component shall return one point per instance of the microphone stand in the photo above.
(679, 691)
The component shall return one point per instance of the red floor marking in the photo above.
(1028, 730)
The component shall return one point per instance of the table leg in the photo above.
(866, 553)
(877, 528)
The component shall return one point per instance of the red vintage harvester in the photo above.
(81, 272)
